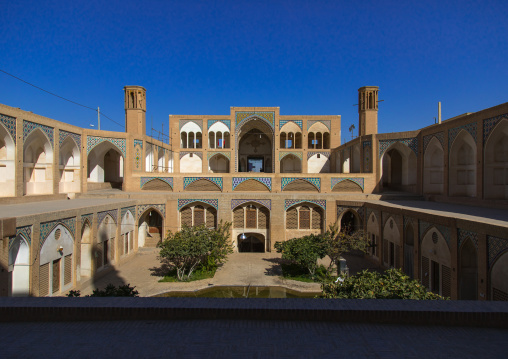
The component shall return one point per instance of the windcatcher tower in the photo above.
(367, 110)
(135, 110)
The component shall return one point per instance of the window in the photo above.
(251, 215)
(289, 143)
(219, 143)
(434, 279)
(304, 218)
(199, 215)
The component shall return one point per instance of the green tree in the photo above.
(340, 242)
(304, 251)
(194, 246)
(392, 284)
(110, 291)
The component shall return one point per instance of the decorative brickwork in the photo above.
(266, 116)
(101, 215)
(312, 180)
(438, 135)
(412, 143)
(264, 202)
(225, 122)
(452, 133)
(144, 180)
(327, 123)
(47, 228)
(183, 153)
(10, 124)
(463, 234)
(212, 202)
(188, 180)
(225, 154)
(160, 207)
(360, 211)
(197, 122)
(424, 226)
(291, 202)
(358, 180)
(489, 124)
(29, 127)
(367, 154)
(267, 181)
(138, 155)
(294, 153)
(25, 232)
(93, 141)
(496, 247)
(313, 153)
(299, 123)
(64, 134)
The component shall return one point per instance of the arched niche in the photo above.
(106, 239)
(191, 163)
(198, 213)
(19, 268)
(161, 160)
(346, 161)
(409, 245)
(304, 218)
(127, 227)
(318, 163)
(106, 165)
(149, 158)
(86, 251)
(255, 146)
(218, 135)
(468, 274)
(392, 243)
(436, 263)
(56, 262)
(190, 135)
(357, 160)
(373, 234)
(433, 168)
(499, 278)
(496, 163)
(251, 218)
(399, 171)
(7, 163)
(349, 221)
(218, 164)
(37, 164)
(290, 164)
(69, 165)
(462, 179)
(150, 228)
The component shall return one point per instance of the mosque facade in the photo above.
(77, 202)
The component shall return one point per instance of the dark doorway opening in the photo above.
(252, 243)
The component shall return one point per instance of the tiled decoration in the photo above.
(367, 158)
(264, 202)
(313, 153)
(359, 210)
(267, 116)
(160, 207)
(138, 155)
(358, 180)
(25, 232)
(423, 226)
(452, 133)
(412, 143)
(138, 143)
(131, 209)
(29, 127)
(101, 215)
(438, 135)
(408, 220)
(183, 153)
(496, 247)
(267, 181)
(197, 122)
(188, 180)
(64, 134)
(284, 154)
(291, 202)
(366, 144)
(327, 123)
(211, 154)
(212, 202)
(489, 124)
(312, 180)
(93, 141)
(10, 124)
(226, 122)
(47, 228)
(144, 180)
(463, 234)
(87, 218)
(299, 123)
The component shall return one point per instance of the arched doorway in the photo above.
(127, 227)
(38, 164)
(468, 275)
(7, 161)
(496, 163)
(19, 268)
(399, 168)
(251, 242)
(106, 165)
(150, 228)
(218, 164)
(86, 251)
(290, 164)
(255, 146)
(350, 222)
(433, 168)
(462, 179)
(251, 219)
(69, 166)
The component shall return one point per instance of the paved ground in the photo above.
(246, 339)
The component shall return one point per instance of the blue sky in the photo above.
(307, 57)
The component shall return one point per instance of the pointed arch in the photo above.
(19, 267)
(252, 185)
(86, 249)
(398, 168)
(409, 245)
(156, 184)
(318, 163)
(499, 278)
(347, 186)
(373, 233)
(392, 243)
(290, 164)
(433, 168)
(462, 178)
(7, 163)
(105, 163)
(70, 166)
(300, 185)
(191, 163)
(37, 163)
(218, 163)
(436, 262)
(468, 273)
(496, 162)
(203, 184)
